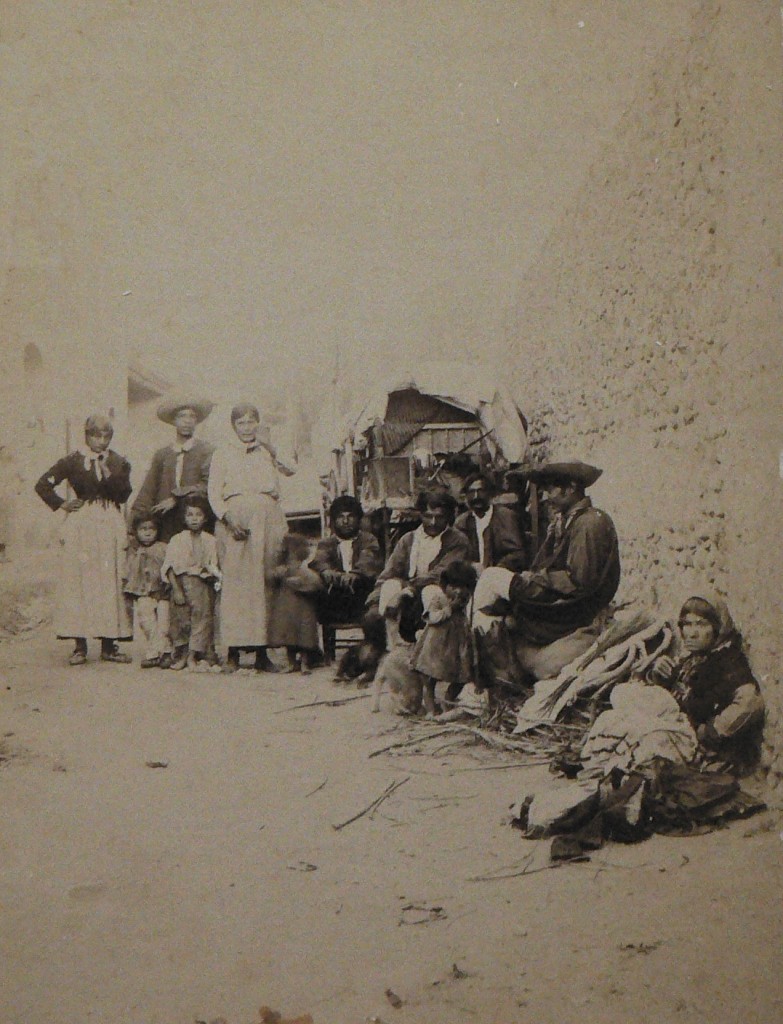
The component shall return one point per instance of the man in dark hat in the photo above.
(179, 469)
(348, 563)
(556, 605)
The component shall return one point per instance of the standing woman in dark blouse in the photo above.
(90, 600)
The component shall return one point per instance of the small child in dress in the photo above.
(294, 622)
(148, 592)
(443, 650)
(191, 568)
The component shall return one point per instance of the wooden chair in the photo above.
(333, 640)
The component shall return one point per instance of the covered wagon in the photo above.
(428, 428)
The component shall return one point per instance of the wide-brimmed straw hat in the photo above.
(579, 471)
(168, 409)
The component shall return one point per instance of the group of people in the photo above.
(203, 522)
(208, 522)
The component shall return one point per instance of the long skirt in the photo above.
(294, 620)
(246, 597)
(90, 601)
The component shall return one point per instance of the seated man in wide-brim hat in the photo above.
(556, 606)
(178, 470)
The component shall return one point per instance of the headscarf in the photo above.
(715, 610)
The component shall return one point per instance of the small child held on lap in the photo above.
(191, 568)
(145, 588)
(443, 648)
(294, 623)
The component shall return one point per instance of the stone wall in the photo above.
(648, 336)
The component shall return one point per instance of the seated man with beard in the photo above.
(492, 530)
(555, 607)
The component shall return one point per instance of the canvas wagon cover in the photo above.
(467, 387)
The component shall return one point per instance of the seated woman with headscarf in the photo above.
(243, 493)
(714, 685)
(348, 563)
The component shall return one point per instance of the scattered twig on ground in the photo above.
(321, 786)
(411, 742)
(641, 947)
(446, 799)
(516, 874)
(324, 703)
(524, 863)
(375, 804)
(499, 767)
(423, 915)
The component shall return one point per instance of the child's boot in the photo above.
(232, 660)
(263, 662)
(111, 652)
(179, 659)
(79, 655)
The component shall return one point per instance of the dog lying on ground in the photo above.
(360, 661)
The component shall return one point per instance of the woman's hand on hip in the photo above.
(72, 505)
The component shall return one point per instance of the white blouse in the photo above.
(240, 469)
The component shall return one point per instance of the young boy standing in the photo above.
(191, 568)
(148, 591)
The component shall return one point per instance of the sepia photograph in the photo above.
(391, 492)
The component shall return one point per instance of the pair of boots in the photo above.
(183, 658)
(109, 652)
(262, 663)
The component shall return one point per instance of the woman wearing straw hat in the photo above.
(178, 470)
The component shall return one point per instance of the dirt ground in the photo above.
(217, 884)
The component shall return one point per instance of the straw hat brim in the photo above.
(168, 409)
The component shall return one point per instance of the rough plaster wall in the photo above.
(649, 334)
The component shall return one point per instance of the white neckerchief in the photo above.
(424, 551)
(345, 547)
(482, 522)
(180, 449)
(96, 461)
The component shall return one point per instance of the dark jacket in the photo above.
(503, 542)
(367, 561)
(573, 577)
(709, 682)
(160, 483)
(114, 490)
(454, 548)
(706, 685)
